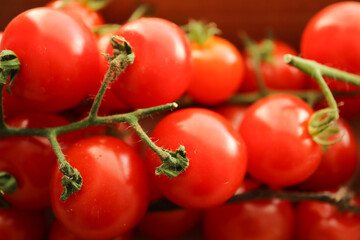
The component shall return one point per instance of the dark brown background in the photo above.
(285, 18)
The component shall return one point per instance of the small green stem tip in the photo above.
(9, 67)
(174, 163)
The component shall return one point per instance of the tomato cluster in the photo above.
(226, 149)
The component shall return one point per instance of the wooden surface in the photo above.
(285, 18)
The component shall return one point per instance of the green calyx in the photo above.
(9, 67)
(263, 52)
(71, 181)
(200, 32)
(174, 163)
(91, 4)
(8, 184)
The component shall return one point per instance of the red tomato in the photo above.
(218, 71)
(321, 221)
(114, 195)
(168, 225)
(58, 68)
(162, 68)
(280, 149)
(216, 153)
(12, 106)
(338, 162)
(30, 159)
(22, 225)
(80, 12)
(276, 75)
(59, 232)
(253, 220)
(233, 113)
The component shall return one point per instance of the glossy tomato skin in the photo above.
(51, 79)
(252, 220)
(30, 159)
(168, 224)
(18, 224)
(59, 232)
(218, 71)
(114, 195)
(216, 153)
(276, 74)
(338, 162)
(326, 39)
(80, 12)
(162, 68)
(321, 221)
(281, 151)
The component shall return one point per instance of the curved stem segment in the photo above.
(72, 180)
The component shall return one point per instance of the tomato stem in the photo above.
(140, 11)
(72, 180)
(8, 184)
(200, 32)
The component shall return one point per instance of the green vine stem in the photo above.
(340, 201)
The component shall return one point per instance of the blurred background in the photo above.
(285, 18)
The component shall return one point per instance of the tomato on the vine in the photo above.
(30, 159)
(18, 224)
(233, 113)
(252, 220)
(216, 153)
(338, 162)
(321, 221)
(275, 73)
(280, 149)
(330, 38)
(162, 68)
(58, 68)
(218, 71)
(79, 11)
(114, 195)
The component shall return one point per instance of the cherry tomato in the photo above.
(326, 39)
(216, 153)
(162, 68)
(276, 74)
(218, 71)
(58, 68)
(59, 232)
(338, 162)
(233, 113)
(280, 149)
(321, 221)
(168, 225)
(18, 224)
(252, 220)
(114, 195)
(80, 12)
(30, 159)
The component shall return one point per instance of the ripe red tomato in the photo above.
(216, 153)
(162, 68)
(30, 159)
(218, 71)
(59, 232)
(114, 195)
(338, 162)
(18, 224)
(80, 12)
(321, 221)
(58, 68)
(168, 225)
(280, 149)
(277, 74)
(252, 220)
(326, 39)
